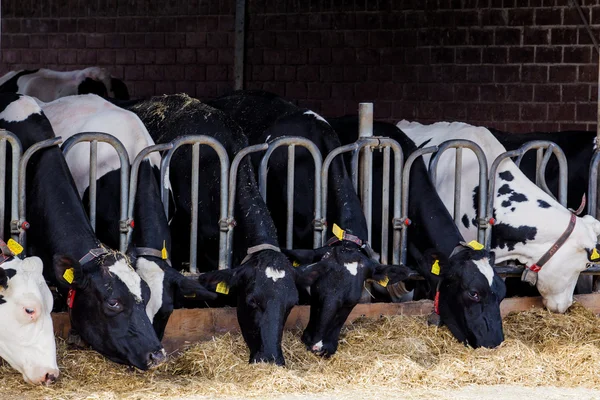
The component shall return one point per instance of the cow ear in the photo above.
(220, 281)
(187, 287)
(67, 271)
(308, 274)
(305, 256)
(3, 278)
(391, 274)
(119, 89)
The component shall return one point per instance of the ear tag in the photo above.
(69, 275)
(163, 252)
(14, 246)
(384, 282)
(595, 255)
(295, 264)
(475, 245)
(337, 231)
(222, 288)
(435, 267)
(190, 296)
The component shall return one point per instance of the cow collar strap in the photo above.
(92, 255)
(255, 249)
(557, 245)
(5, 253)
(149, 251)
(340, 235)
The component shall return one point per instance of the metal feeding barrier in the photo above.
(16, 151)
(93, 138)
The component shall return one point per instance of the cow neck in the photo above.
(59, 223)
(151, 228)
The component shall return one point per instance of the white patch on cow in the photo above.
(317, 116)
(485, 268)
(274, 274)
(352, 267)
(27, 338)
(129, 277)
(167, 182)
(318, 346)
(154, 276)
(21, 109)
(558, 277)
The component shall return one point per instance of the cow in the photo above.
(106, 298)
(262, 280)
(26, 338)
(48, 85)
(151, 238)
(470, 290)
(341, 267)
(529, 225)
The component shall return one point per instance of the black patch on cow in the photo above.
(12, 85)
(543, 204)
(119, 89)
(508, 236)
(506, 204)
(476, 198)
(465, 221)
(90, 85)
(423, 144)
(10, 272)
(2, 301)
(518, 197)
(504, 189)
(474, 221)
(512, 209)
(506, 176)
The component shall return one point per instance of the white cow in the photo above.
(26, 333)
(528, 222)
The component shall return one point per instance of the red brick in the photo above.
(105, 57)
(566, 36)
(296, 57)
(381, 110)
(319, 21)
(493, 93)
(405, 73)
(563, 73)
(67, 25)
(143, 89)
(296, 90)
(356, 39)
(134, 72)
(546, 93)
(548, 16)
(263, 73)
(144, 56)
(216, 39)
(510, 73)
(46, 58)
(495, 55)
(67, 56)
(320, 56)
(415, 92)
(274, 56)
(367, 56)
(536, 36)
(86, 57)
(296, 22)
(454, 111)
(165, 56)
(534, 112)
(226, 56)
(286, 40)
(125, 57)
(285, 73)
(571, 126)
(466, 92)
(576, 92)
(466, 18)
(468, 55)
(405, 38)
(175, 72)
(494, 17)
(507, 36)
(587, 112)
(310, 40)
(342, 91)
(588, 73)
(391, 91)
(481, 73)
(548, 54)
(404, 110)
(579, 55)
(417, 56)
(165, 87)
(365, 91)
(207, 56)
(519, 127)
(442, 55)
(481, 37)
(506, 112)
(355, 73)
(307, 73)
(429, 110)
(186, 56)
(219, 73)
(518, 92)
(10, 56)
(187, 24)
(584, 37)
(534, 73)
(192, 73)
(206, 90)
(330, 39)
(561, 112)
(521, 55)
(378, 39)
(114, 41)
(520, 16)
(105, 25)
(440, 92)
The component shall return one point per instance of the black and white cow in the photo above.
(91, 113)
(341, 268)
(106, 297)
(264, 283)
(470, 290)
(26, 337)
(528, 222)
(48, 85)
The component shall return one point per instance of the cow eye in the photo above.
(474, 295)
(30, 311)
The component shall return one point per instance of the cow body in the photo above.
(106, 296)
(48, 85)
(528, 222)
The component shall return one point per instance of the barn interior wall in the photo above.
(517, 65)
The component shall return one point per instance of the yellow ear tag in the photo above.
(475, 245)
(295, 264)
(384, 282)
(222, 288)
(595, 255)
(14, 246)
(337, 232)
(163, 252)
(69, 275)
(435, 267)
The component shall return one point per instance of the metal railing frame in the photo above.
(16, 150)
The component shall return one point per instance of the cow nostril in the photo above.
(50, 378)
(156, 358)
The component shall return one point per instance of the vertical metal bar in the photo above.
(539, 154)
(457, 184)
(354, 172)
(592, 195)
(194, 206)
(385, 206)
(240, 19)
(289, 238)
(365, 129)
(2, 187)
(93, 175)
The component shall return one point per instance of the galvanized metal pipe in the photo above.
(398, 165)
(194, 206)
(124, 161)
(92, 182)
(289, 234)
(224, 176)
(240, 41)
(457, 184)
(319, 236)
(385, 205)
(592, 195)
(233, 174)
(2, 186)
(354, 166)
(365, 130)
(17, 150)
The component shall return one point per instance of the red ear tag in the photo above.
(71, 298)
(436, 303)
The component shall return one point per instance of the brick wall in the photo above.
(517, 65)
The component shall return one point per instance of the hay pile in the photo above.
(393, 352)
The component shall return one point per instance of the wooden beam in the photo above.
(187, 326)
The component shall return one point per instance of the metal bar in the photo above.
(397, 251)
(539, 155)
(354, 173)
(457, 184)
(365, 130)
(592, 195)
(124, 161)
(2, 186)
(92, 182)
(289, 235)
(585, 23)
(240, 41)
(194, 206)
(22, 179)
(17, 151)
(385, 206)
(233, 173)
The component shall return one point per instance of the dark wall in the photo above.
(517, 65)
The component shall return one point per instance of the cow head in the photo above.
(265, 287)
(166, 285)
(335, 277)
(26, 337)
(470, 293)
(108, 309)
(99, 81)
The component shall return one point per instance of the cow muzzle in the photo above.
(156, 358)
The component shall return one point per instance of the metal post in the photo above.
(289, 234)
(457, 184)
(194, 206)
(2, 186)
(365, 129)
(92, 182)
(385, 205)
(592, 195)
(17, 150)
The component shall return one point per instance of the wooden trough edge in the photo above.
(187, 326)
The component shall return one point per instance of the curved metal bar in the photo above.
(133, 180)
(233, 173)
(17, 150)
(196, 141)
(124, 160)
(482, 219)
(592, 195)
(23, 179)
(318, 160)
